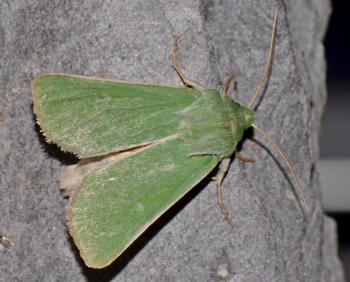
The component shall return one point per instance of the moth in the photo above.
(142, 148)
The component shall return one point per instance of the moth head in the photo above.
(248, 116)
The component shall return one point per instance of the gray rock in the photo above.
(131, 40)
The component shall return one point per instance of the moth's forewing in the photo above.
(93, 117)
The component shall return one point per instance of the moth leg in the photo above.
(228, 83)
(243, 158)
(186, 81)
(224, 165)
(229, 80)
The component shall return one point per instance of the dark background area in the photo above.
(335, 136)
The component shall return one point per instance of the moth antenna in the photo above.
(289, 164)
(263, 81)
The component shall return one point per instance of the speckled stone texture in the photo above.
(131, 40)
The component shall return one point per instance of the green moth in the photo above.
(143, 147)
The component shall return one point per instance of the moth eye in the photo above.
(248, 116)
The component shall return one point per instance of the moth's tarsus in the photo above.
(243, 158)
(228, 83)
(224, 165)
(186, 81)
(263, 81)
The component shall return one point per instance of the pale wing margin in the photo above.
(115, 205)
(93, 117)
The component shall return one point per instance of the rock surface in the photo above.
(131, 40)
